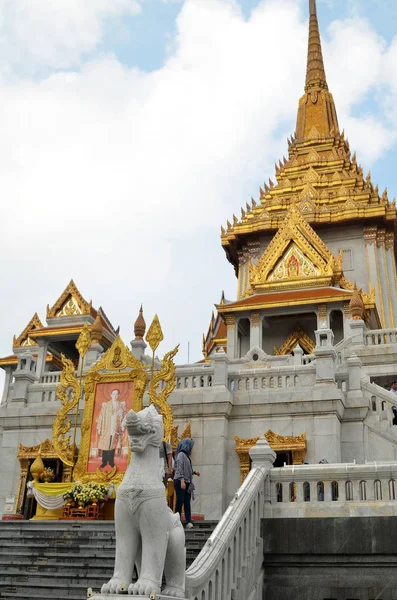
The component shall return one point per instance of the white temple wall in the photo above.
(351, 240)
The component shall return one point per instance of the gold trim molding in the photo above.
(297, 445)
(297, 336)
(117, 364)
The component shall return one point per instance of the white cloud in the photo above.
(54, 33)
(121, 178)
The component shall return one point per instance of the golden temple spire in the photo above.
(315, 72)
(316, 115)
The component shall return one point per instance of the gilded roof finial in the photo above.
(315, 73)
(140, 325)
(97, 330)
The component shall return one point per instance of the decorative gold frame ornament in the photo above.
(117, 364)
(297, 445)
(68, 392)
(159, 398)
(297, 336)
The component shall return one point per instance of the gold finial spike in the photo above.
(315, 72)
(38, 466)
(84, 341)
(97, 330)
(140, 325)
(155, 334)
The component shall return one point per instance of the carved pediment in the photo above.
(24, 338)
(70, 303)
(296, 257)
(297, 337)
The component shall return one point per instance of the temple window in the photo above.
(373, 402)
(201, 381)
(209, 381)
(263, 382)
(383, 405)
(336, 324)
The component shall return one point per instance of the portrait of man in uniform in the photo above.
(109, 440)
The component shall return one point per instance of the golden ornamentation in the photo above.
(140, 325)
(380, 238)
(69, 303)
(23, 339)
(84, 341)
(25, 455)
(370, 235)
(296, 256)
(155, 334)
(255, 319)
(187, 433)
(322, 313)
(388, 288)
(288, 443)
(297, 336)
(297, 445)
(230, 321)
(356, 305)
(389, 240)
(117, 357)
(37, 467)
(159, 398)
(69, 393)
(96, 330)
(242, 447)
(380, 292)
(320, 171)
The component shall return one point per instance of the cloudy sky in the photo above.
(130, 130)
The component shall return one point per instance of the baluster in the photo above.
(327, 491)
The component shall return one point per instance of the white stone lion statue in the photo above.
(148, 534)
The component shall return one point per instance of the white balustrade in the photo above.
(380, 337)
(255, 380)
(225, 568)
(51, 377)
(332, 484)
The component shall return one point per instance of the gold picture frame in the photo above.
(116, 366)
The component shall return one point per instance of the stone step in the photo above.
(57, 559)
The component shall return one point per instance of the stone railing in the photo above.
(340, 349)
(51, 377)
(192, 377)
(380, 337)
(42, 392)
(276, 378)
(381, 402)
(227, 567)
(307, 359)
(333, 489)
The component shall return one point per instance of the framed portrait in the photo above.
(113, 386)
(109, 440)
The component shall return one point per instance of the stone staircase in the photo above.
(61, 559)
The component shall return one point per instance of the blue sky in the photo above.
(131, 130)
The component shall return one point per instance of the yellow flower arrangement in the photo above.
(87, 493)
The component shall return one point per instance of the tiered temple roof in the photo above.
(320, 184)
(320, 178)
(65, 320)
